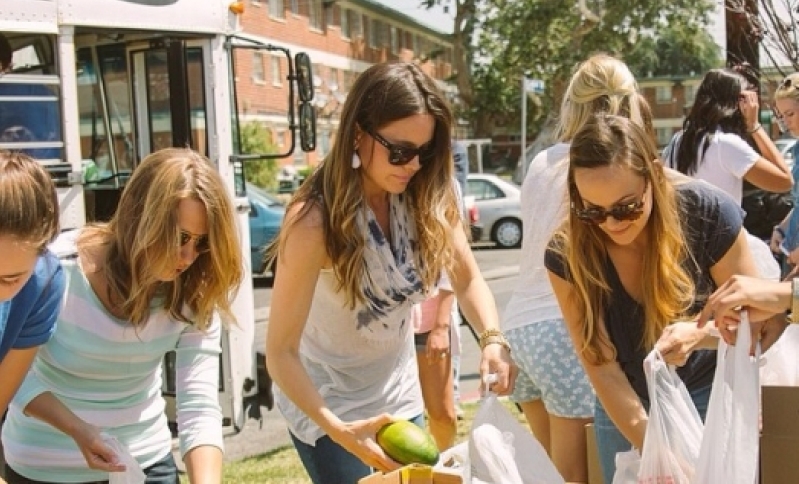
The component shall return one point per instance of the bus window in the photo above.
(30, 111)
(104, 105)
(156, 120)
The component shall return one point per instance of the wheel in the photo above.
(507, 233)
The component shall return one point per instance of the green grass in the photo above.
(283, 466)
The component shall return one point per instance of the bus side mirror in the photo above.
(304, 76)
(307, 127)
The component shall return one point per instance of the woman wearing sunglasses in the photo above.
(157, 278)
(365, 238)
(642, 249)
(785, 237)
(552, 389)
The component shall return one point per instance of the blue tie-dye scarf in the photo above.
(391, 282)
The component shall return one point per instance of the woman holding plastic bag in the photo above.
(643, 247)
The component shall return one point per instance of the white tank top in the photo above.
(357, 378)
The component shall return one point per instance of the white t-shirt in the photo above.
(725, 163)
(544, 201)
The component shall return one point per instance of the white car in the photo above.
(498, 203)
(785, 145)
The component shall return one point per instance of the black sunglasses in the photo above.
(399, 155)
(201, 243)
(623, 212)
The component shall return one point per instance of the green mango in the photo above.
(407, 443)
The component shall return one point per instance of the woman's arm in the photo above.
(438, 340)
(609, 381)
(204, 464)
(47, 408)
(478, 305)
(298, 266)
(199, 416)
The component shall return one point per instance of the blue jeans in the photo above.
(610, 441)
(329, 463)
(162, 472)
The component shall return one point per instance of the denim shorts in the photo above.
(549, 370)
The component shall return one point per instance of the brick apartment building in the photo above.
(342, 38)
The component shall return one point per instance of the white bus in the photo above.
(96, 85)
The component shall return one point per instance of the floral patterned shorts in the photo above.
(549, 370)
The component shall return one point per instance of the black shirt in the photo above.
(711, 221)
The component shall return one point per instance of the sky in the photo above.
(435, 18)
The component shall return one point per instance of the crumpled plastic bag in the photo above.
(499, 445)
(132, 473)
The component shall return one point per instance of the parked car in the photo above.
(499, 206)
(266, 216)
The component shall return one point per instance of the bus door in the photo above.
(138, 97)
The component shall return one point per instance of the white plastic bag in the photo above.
(674, 429)
(456, 458)
(731, 443)
(627, 466)
(501, 446)
(132, 473)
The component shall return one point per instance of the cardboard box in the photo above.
(779, 438)
(594, 469)
(414, 474)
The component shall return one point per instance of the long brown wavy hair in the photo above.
(668, 290)
(382, 94)
(143, 239)
(28, 200)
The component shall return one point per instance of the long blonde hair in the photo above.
(382, 94)
(28, 200)
(668, 290)
(143, 237)
(788, 88)
(600, 84)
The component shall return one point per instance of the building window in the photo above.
(356, 24)
(663, 94)
(664, 136)
(690, 94)
(277, 76)
(332, 79)
(374, 33)
(395, 47)
(277, 9)
(344, 16)
(330, 17)
(258, 75)
(295, 7)
(315, 17)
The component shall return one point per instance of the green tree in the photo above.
(256, 138)
(675, 51)
(502, 40)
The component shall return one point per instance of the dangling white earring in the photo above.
(356, 161)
